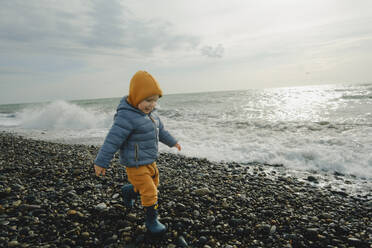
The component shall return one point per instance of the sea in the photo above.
(323, 130)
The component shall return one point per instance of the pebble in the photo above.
(72, 212)
(52, 198)
(132, 217)
(272, 229)
(196, 213)
(101, 206)
(17, 203)
(85, 235)
(312, 233)
(202, 191)
(182, 242)
(354, 241)
(13, 243)
(203, 240)
(312, 179)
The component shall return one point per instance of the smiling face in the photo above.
(148, 105)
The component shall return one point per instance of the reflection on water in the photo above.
(310, 104)
(296, 104)
(315, 127)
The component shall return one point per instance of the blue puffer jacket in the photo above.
(136, 134)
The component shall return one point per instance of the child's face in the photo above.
(148, 105)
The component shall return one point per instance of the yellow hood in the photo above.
(142, 85)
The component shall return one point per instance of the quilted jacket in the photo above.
(136, 135)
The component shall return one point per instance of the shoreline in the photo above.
(49, 195)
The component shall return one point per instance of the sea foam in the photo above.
(319, 149)
(308, 128)
(62, 115)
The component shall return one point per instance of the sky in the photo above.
(84, 49)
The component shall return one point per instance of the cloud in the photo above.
(38, 21)
(213, 52)
(94, 25)
(115, 26)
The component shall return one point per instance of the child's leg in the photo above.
(156, 177)
(145, 180)
(129, 195)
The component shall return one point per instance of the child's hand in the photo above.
(99, 170)
(178, 146)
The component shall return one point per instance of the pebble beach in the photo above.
(50, 197)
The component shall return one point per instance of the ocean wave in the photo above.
(169, 113)
(303, 131)
(356, 97)
(346, 152)
(7, 115)
(8, 120)
(290, 126)
(62, 115)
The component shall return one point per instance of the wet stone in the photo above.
(202, 191)
(272, 229)
(196, 213)
(182, 242)
(85, 235)
(102, 206)
(72, 212)
(4, 223)
(13, 243)
(132, 217)
(354, 241)
(208, 204)
(312, 179)
(203, 240)
(312, 233)
(265, 229)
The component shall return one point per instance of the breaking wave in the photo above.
(62, 115)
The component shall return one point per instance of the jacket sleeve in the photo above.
(165, 137)
(119, 132)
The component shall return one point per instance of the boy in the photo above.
(136, 132)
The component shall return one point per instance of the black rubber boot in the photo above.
(152, 223)
(129, 196)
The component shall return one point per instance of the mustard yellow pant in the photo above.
(145, 180)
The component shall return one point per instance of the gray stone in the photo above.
(101, 206)
(202, 191)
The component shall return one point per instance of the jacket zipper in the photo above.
(156, 132)
(136, 152)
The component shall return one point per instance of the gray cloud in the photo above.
(99, 25)
(213, 52)
(115, 26)
(32, 22)
(108, 25)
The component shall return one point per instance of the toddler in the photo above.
(136, 132)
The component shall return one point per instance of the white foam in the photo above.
(318, 133)
(8, 120)
(328, 150)
(62, 115)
